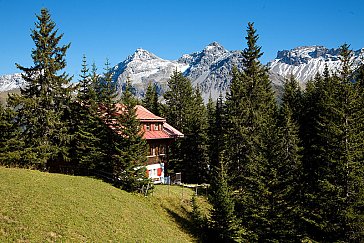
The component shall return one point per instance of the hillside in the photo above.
(38, 207)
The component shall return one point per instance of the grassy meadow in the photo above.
(38, 207)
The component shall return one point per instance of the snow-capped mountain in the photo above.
(11, 81)
(210, 69)
(143, 67)
(304, 62)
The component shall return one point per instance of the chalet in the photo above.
(159, 135)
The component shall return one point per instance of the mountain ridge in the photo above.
(210, 68)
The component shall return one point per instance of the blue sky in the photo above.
(114, 29)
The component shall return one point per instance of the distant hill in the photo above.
(42, 207)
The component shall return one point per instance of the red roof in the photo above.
(156, 135)
(145, 115)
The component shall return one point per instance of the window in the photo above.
(151, 150)
(162, 149)
(147, 127)
(156, 127)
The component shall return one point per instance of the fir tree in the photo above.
(131, 151)
(224, 223)
(292, 97)
(194, 146)
(43, 103)
(337, 192)
(178, 99)
(150, 100)
(107, 97)
(283, 182)
(87, 124)
(10, 145)
(250, 124)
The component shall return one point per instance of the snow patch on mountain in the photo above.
(11, 81)
(306, 61)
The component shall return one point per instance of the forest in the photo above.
(287, 169)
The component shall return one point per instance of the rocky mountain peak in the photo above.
(142, 55)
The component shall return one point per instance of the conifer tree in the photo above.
(292, 97)
(250, 124)
(107, 98)
(211, 113)
(194, 146)
(131, 151)
(178, 100)
(43, 103)
(10, 145)
(338, 160)
(87, 124)
(284, 182)
(224, 223)
(150, 100)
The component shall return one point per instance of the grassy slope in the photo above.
(38, 207)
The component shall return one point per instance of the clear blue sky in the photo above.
(113, 29)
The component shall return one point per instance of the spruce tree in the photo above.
(178, 99)
(107, 98)
(10, 144)
(150, 100)
(131, 152)
(338, 190)
(250, 124)
(43, 103)
(292, 97)
(87, 124)
(194, 146)
(224, 223)
(284, 182)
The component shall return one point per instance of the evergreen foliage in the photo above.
(150, 100)
(10, 145)
(185, 111)
(87, 126)
(334, 214)
(250, 125)
(224, 223)
(131, 151)
(42, 106)
(194, 146)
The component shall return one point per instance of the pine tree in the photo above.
(292, 97)
(150, 100)
(107, 99)
(86, 145)
(178, 99)
(131, 151)
(224, 224)
(211, 120)
(337, 193)
(194, 146)
(10, 145)
(43, 103)
(250, 124)
(283, 182)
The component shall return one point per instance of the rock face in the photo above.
(11, 81)
(304, 62)
(210, 69)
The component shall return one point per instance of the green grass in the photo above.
(39, 207)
